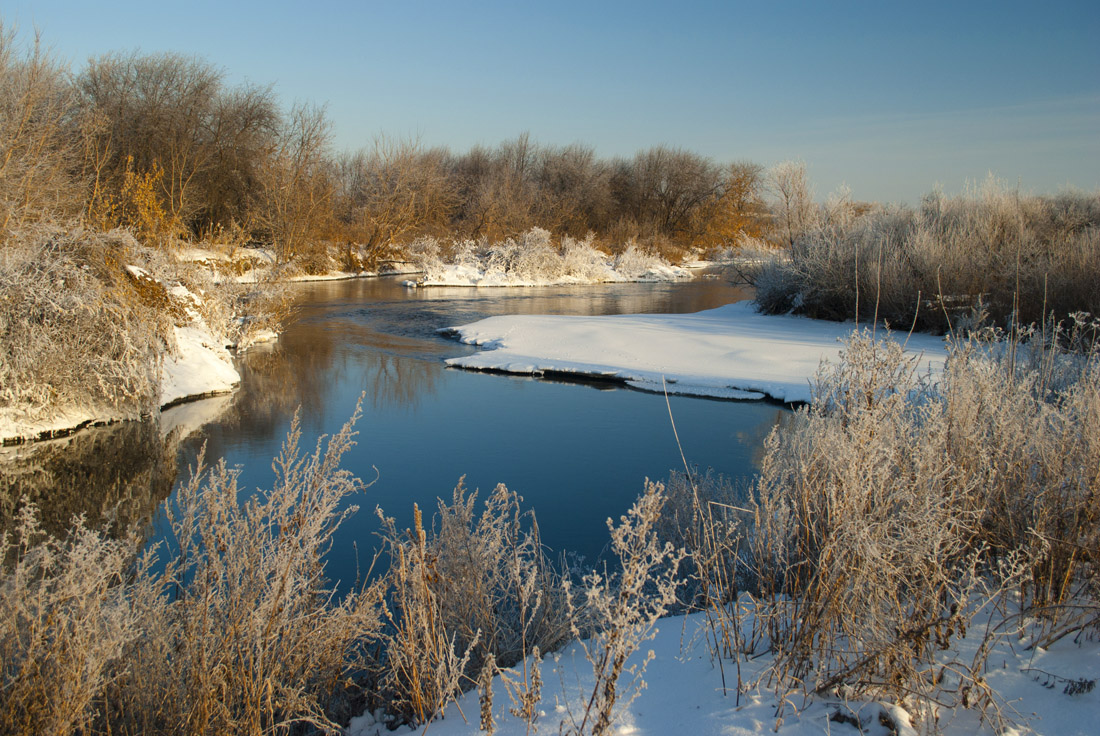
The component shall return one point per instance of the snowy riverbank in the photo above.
(534, 259)
(684, 693)
(197, 364)
(731, 352)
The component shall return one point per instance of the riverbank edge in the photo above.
(208, 384)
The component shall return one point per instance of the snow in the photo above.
(183, 420)
(199, 366)
(465, 274)
(533, 259)
(15, 429)
(730, 352)
(684, 695)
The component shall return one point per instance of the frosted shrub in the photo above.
(536, 258)
(621, 608)
(635, 263)
(423, 667)
(533, 258)
(236, 631)
(583, 260)
(426, 254)
(245, 634)
(65, 619)
(1022, 257)
(473, 591)
(891, 511)
(75, 329)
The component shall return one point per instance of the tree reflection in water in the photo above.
(121, 471)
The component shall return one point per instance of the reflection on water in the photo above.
(576, 454)
(121, 471)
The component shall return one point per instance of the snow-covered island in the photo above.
(731, 352)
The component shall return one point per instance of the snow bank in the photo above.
(15, 429)
(199, 366)
(729, 352)
(684, 694)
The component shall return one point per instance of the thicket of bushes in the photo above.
(1012, 257)
(162, 145)
(229, 625)
(891, 516)
(888, 519)
(81, 334)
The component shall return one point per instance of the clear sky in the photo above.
(889, 98)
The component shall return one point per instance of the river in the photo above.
(577, 453)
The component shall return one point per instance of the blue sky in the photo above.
(888, 98)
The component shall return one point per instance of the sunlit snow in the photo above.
(728, 352)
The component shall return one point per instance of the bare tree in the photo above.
(795, 212)
(666, 188)
(171, 113)
(297, 183)
(740, 209)
(38, 146)
(573, 189)
(394, 192)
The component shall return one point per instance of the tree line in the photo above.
(162, 144)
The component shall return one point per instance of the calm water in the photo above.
(577, 453)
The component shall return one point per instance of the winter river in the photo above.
(576, 452)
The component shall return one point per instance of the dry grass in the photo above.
(233, 630)
(79, 333)
(474, 591)
(1020, 257)
(894, 510)
(620, 609)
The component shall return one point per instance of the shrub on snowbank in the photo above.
(533, 259)
(235, 628)
(87, 319)
(75, 329)
(893, 511)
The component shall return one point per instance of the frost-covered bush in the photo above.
(634, 263)
(65, 620)
(426, 254)
(86, 319)
(1020, 257)
(234, 630)
(474, 590)
(532, 259)
(41, 149)
(583, 260)
(76, 330)
(892, 509)
(620, 609)
(535, 258)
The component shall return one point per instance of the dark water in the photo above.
(577, 453)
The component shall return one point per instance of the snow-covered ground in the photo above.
(255, 265)
(728, 352)
(684, 695)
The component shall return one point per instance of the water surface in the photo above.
(577, 453)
